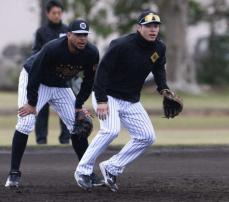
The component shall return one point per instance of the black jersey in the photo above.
(47, 33)
(125, 66)
(54, 65)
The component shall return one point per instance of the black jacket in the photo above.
(47, 33)
(54, 65)
(125, 66)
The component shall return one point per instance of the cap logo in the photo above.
(83, 25)
(150, 18)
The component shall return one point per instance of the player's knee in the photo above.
(111, 132)
(25, 124)
(149, 138)
(152, 139)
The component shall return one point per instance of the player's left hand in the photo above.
(26, 110)
(85, 112)
(102, 111)
(172, 104)
(83, 123)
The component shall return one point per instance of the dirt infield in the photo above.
(161, 174)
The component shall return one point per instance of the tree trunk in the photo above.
(43, 18)
(180, 73)
(174, 17)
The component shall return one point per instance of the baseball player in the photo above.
(43, 79)
(118, 82)
(52, 30)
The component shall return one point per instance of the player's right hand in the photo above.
(102, 111)
(26, 110)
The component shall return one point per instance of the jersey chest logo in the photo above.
(154, 57)
(67, 71)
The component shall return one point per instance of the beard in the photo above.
(75, 47)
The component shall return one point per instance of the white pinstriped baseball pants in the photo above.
(133, 117)
(61, 99)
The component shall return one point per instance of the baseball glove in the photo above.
(83, 124)
(172, 104)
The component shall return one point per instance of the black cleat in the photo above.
(13, 179)
(97, 180)
(110, 180)
(84, 181)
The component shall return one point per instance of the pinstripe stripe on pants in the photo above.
(61, 99)
(133, 117)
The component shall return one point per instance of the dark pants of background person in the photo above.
(41, 128)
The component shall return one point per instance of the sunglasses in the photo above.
(150, 18)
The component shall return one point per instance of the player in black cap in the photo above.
(116, 99)
(44, 79)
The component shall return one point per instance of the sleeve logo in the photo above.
(154, 57)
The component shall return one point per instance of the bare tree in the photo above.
(181, 74)
(180, 67)
(43, 18)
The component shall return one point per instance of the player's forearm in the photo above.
(160, 78)
(100, 84)
(32, 92)
(33, 85)
(161, 85)
(100, 94)
(100, 90)
(32, 98)
(84, 93)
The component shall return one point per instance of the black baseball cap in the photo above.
(79, 26)
(147, 17)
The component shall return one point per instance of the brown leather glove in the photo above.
(83, 124)
(172, 104)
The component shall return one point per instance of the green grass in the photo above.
(213, 99)
(179, 131)
(8, 100)
(150, 99)
(183, 130)
(192, 122)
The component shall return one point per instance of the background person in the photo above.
(52, 30)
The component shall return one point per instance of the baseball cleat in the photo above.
(110, 180)
(84, 181)
(13, 179)
(97, 180)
